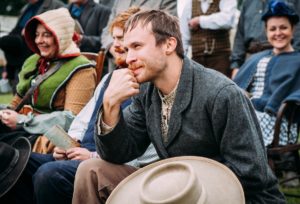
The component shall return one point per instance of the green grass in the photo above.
(295, 191)
(5, 98)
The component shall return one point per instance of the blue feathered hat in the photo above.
(279, 8)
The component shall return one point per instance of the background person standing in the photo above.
(206, 27)
(93, 18)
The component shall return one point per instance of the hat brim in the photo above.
(294, 19)
(220, 183)
(23, 146)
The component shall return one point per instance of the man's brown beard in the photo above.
(121, 62)
(119, 50)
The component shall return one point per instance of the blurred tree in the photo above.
(13, 7)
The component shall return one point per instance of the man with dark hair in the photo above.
(179, 106)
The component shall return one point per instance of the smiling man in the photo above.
(179, 106)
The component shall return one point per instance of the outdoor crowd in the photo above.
(171, 87)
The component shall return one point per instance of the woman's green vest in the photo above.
(49, 88)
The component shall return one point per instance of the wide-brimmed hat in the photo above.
(180, 180)
(279, 8)
(14, 158)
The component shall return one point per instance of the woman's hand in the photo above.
(9, 118)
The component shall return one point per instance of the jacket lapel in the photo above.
(182, 100)
(86, 13)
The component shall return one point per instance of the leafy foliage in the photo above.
(13, 7)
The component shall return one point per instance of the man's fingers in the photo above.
(72, 155)
(59, 156)
(59, 150)
(135, 85)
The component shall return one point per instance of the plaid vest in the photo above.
(206, 41)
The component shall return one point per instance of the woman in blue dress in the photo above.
(271, 77)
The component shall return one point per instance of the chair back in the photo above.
(98, 59)
(291, 111)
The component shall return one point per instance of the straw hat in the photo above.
(14, 158)
(180, 180)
